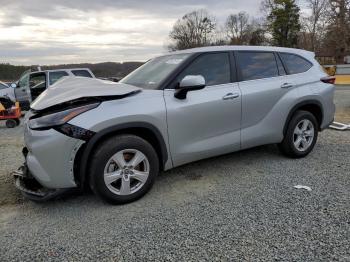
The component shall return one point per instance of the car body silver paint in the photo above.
(147, 106)
(202, 125)
(50, 157)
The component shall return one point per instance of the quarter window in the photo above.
(256, 65)
(215, 68)
(295, 64)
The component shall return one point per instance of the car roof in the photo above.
(61, 69)
(246, 48)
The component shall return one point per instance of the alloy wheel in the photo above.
(126, 172)
(303, 135)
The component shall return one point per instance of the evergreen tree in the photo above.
(283, 23)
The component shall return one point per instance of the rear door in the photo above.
(263, 82)
(207, 122)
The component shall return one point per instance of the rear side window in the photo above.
(83, 73)
(54, 76)
(215, 68)
(256, 65)
(295, 64)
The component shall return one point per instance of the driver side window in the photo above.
(215, 68)
(24, 81)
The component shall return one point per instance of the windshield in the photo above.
(154, 72)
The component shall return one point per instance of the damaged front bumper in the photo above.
(31, 188)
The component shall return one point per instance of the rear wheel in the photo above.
(11, 123)
(123, 169)
(301, 135)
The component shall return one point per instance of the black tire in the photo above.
(18, 122)
(287, 146)
(11, 123)
(102, 156)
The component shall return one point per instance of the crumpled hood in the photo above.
(72, 88)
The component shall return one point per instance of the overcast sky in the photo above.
(74, 31)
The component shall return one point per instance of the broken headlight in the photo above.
(55, 119)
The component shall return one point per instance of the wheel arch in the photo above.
(312, 106)
(144, 130)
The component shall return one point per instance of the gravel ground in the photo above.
(240, 206)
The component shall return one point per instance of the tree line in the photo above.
(323, 27)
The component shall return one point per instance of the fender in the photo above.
(299, 105)
(89, 146)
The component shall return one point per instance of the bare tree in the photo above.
(194, 29)
(315, 24)
(237, 28)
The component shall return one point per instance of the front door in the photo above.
(22, 91)
(207, 122)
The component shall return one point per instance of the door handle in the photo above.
(230, 96)
(287, 85)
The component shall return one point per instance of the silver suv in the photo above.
(175, 109)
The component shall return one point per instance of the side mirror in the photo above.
(13, 85)
(189, 83)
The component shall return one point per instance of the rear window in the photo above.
(295, 64)
(83, 73)
(256, 65)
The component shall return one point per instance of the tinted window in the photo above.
(54, 76)
(215, 68)
(255, 65)
(295, 64)
(83, 73)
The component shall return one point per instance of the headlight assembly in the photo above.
(58, 118)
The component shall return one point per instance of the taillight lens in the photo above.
(328, 80)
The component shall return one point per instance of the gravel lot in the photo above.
(240, 206)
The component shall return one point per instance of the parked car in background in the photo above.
(174, 109)
(342, 75)
(32, 84)
(6, 91)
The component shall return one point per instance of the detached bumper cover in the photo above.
(25, 182)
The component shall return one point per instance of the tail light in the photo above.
(328, 80)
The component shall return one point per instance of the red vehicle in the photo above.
(10, 111)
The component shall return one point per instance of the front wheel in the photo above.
(301, 135)
(123, 169)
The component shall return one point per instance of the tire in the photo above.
(11, 123)
(301, 136)
(114, 177)
(18, 122)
